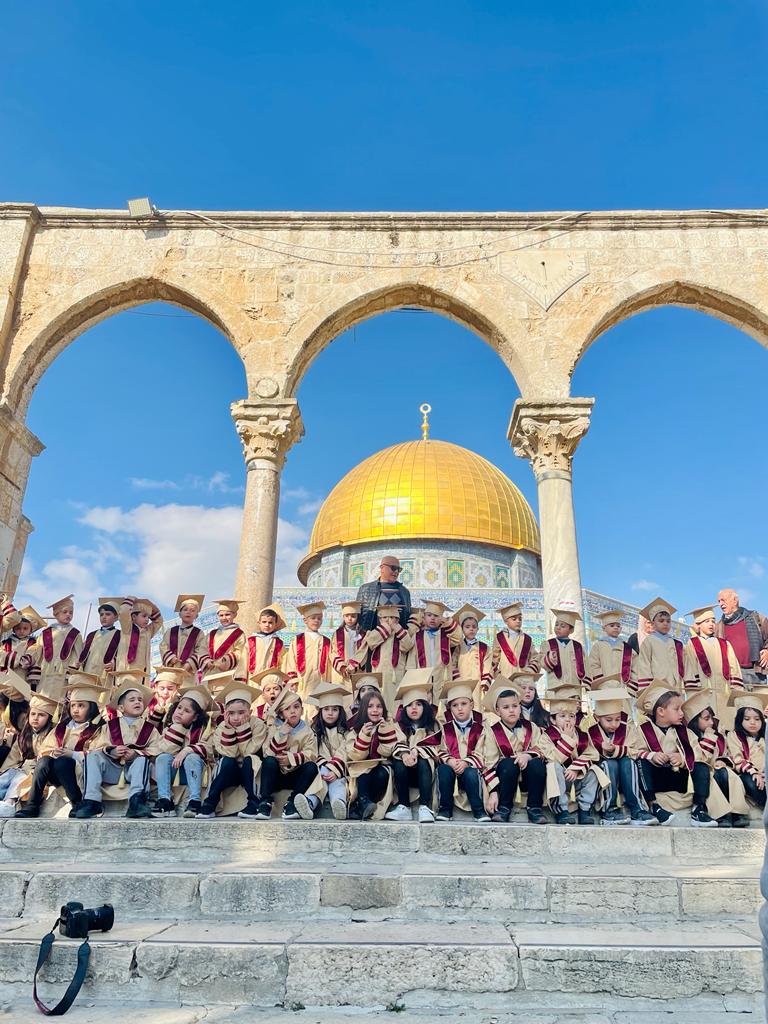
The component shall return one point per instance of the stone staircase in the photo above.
(455, 920)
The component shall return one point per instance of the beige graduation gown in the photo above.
(364, 754)
(308, 662)
(133, 652)
(55, 653)
(514, 652)
(662, 659)
(710, 664)
(386, 652)
(670, 743)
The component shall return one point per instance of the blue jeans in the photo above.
(190, 774)
(622, 771)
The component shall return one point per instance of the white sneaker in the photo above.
(399, 813)
(339, 809)
(426, 815)
(7, 808)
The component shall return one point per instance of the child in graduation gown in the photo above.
(56, 652)
(124, 746)
(711, 664)
(238, 740)
(264, 648)
(270, 683)
(345, 641)
(17, 646)
(510, 754)
(371, 742)
(139, 620)
(99, 653)
(617, 742)
(415, 757)
(185, 646)
(308, 659)
(699, 716)
(459, 778)
(671, 758)
(330, 727)
(530, 703)
(384, 650)
(21, 761)
(609, 655)
(746, 743)
(572, 760)
(434, 641)
(513, 650)
(290, 759)
(186, 748)
(562, 656)
(165, 692)
(62, 753)
(662, 656)
(226, 643)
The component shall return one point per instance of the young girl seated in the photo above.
(184, 748)
(510, 752)
(746, 743)
(700, 718)
(363, 683)
(237, 740)
(572, 761)
(370, 743)
(290, 758)
(670, 758)
(124, 746)
(415, 756)
(62, 752)
(270, 682)
(25, 749)
(330, 727)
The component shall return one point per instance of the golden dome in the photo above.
(423, 490)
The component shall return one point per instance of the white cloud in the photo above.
(292, 543)
(753, 566)
(645, 585)
(217, 483)
(296, 493)
(145, 484)
(310, 508)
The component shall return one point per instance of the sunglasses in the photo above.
(392, 568)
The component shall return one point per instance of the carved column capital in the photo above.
(548, 433)
(267, 429)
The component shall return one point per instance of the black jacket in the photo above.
(369, 594)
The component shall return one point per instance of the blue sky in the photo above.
(389, 106)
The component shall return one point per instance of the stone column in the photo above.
(547, 433)
(18, 446)
(267, 429)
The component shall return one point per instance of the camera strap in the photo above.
(83, 956)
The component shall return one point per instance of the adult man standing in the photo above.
(386, 590)
(747, 633)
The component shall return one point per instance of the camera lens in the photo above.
(102, 918)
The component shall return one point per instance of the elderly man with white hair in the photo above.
(747, 633)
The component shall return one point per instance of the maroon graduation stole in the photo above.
(133, 643)
(89, 731)
(703, 660)
(301, 653)
(116, 734)
(502, 739)
(376, 654)
(189, 645)
(445, 656)
(578, 653)
(274, 661)
(109, 654)
(595, 733)
(680, 662)
(339, 638)
(451, 734)
(744, 746)
(648, 730)
(66, 647)
(509, 654)
(626, 663)
(224, 646)
(562, 744)
(482, 652)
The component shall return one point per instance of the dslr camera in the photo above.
(76, 922)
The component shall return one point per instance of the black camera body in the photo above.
(75, 921)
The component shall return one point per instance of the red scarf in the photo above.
(445, 656)
(596, 735)
(301, 653)
(61, 731)
(502, 739)
(109, 654)
(648, 730)
(234, 636)
(116, 735)
(66, 647)
(451, 734)
(578, 654)
(509, 654)
(274, 661)
(703, 660)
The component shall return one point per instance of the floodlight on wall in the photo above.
(141, 209)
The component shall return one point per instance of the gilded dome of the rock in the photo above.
(423, 490)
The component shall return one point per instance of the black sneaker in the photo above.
(663, 817)
(740, 820)
(613, 816)
(192, 809)
(138, 807)
(163, 808)
(700, 818)
(28, 811)
(207, 810)
(290, 813)
(641, 818)
(89, 809)
(444, 814)
(725, 822)
(366, 809)
(481, 817)
(536, 816)
(74, 808)
(354, 811)
(565, 818)
(585, 818)
(264, 809)
(251, 810)
(502, 815)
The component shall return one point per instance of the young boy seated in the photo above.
(458, 773)
(572, 761)
(270, 683)
(308, 660)
(124, 746)
(290, 757)
(264, 647)
(185, 747)
(514, 650)
(185, 646)
(617, 743)
(563, 657)
(510, 754)
(609, 655)
(472, 657)
(671, 757)
(99, 653)
(237, 740)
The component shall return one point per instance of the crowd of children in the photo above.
(374, 724)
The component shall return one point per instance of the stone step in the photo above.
(199, 841)
(395, 964)
(662, 890)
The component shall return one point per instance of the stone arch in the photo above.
(327, 321)
(48, 332)
(730, 306)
